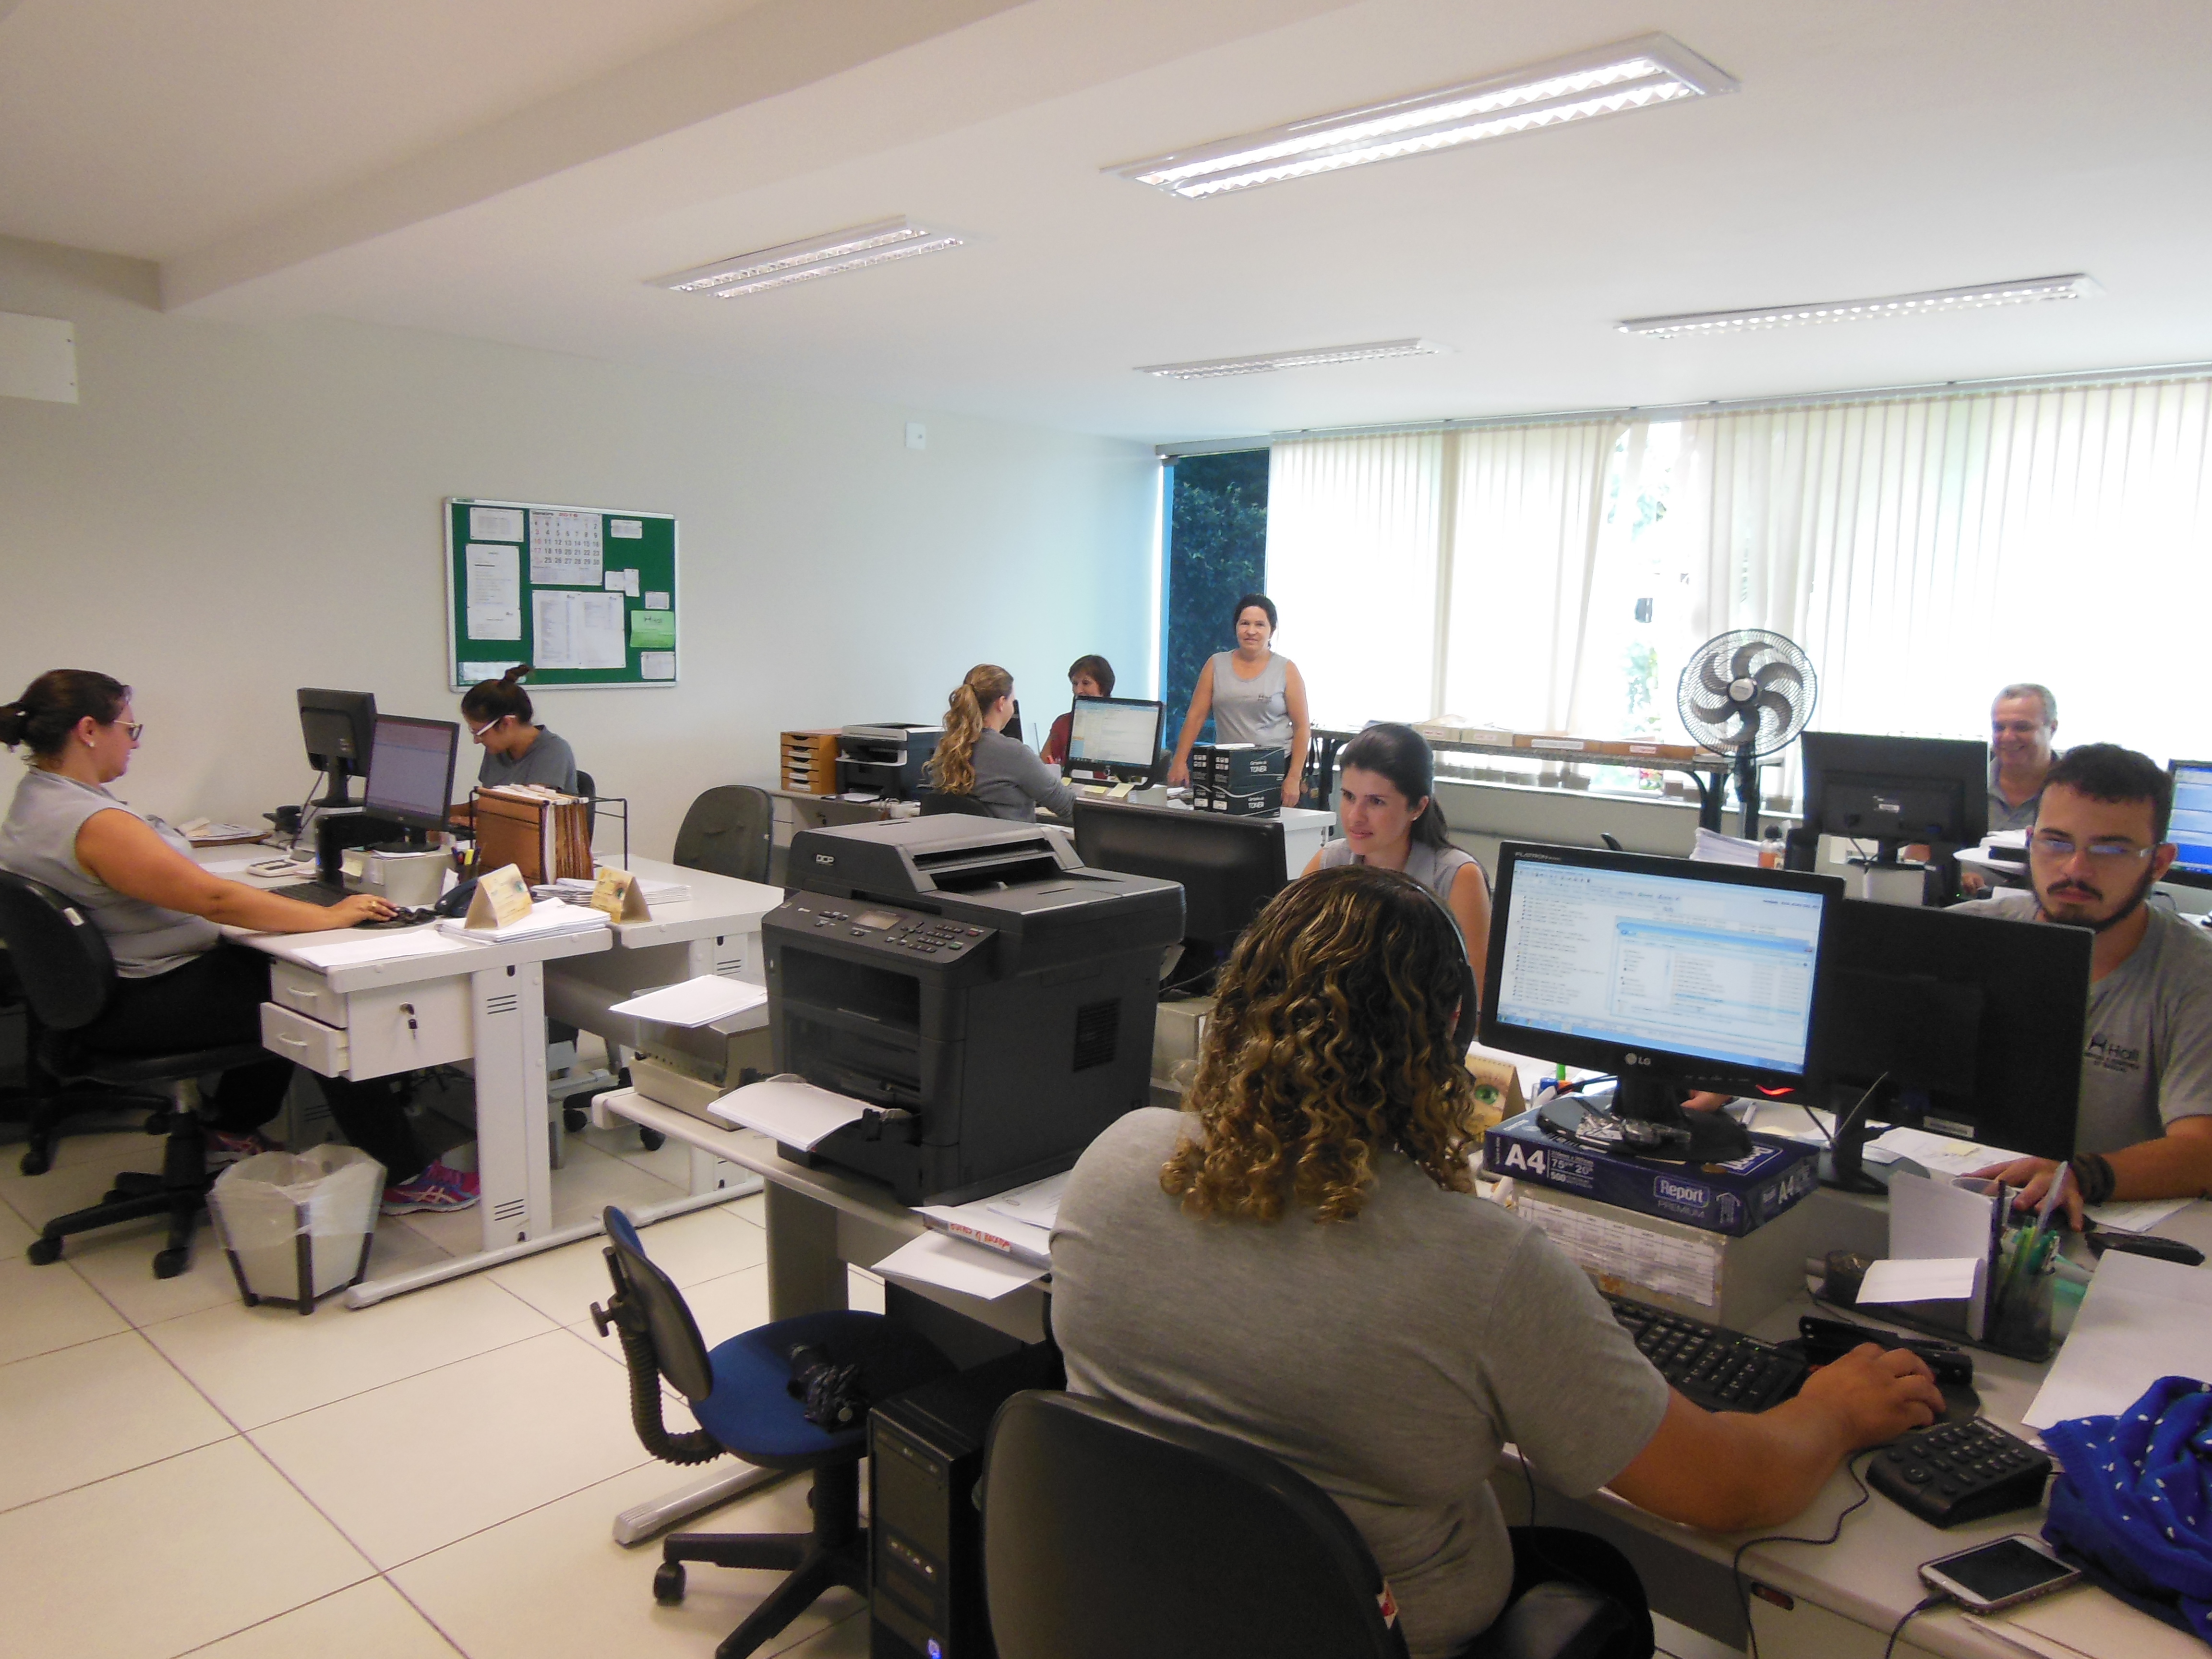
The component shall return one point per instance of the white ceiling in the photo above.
(514, 169)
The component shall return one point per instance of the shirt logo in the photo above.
(2109, 1056)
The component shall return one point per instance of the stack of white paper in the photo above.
(948, 1264)
(548, 919)
(789, 1110)
(2142, 1319)
(1037, 1204)
(353, 948)
(700, 1001)
(657, 893)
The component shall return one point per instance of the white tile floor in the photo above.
(180, 1474)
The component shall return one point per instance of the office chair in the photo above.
(728, 832)
(67, 975)
(934, 802)
(741, 1394)
(589, 790)
(1094, 1515)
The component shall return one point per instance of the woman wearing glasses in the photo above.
(515, 750)
(179, 984)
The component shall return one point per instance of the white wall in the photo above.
(230, 513)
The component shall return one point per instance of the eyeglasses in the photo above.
(133, 728)
(2050, 844)
(478, 732)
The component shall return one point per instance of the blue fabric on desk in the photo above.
(753, 1410)
(2133, 1503)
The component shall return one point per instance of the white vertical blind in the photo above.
(1353, 527)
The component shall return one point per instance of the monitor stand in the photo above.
(1715, 1137)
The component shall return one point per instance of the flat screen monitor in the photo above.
(1953, 1022)
(2190, 827)
(410, 771)
(1893, 791)
(1228, 867)
(1670, 975)
(339, 727)
(1113, 737)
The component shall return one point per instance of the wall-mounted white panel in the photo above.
(38, 356)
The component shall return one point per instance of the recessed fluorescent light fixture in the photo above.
(2025, 291)
(802, 261)
(1221, 367)
(1652, 69)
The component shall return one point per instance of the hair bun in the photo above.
(516, 675)
(12, 720)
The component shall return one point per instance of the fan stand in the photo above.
(1747, 790)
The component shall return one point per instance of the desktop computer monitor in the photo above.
(1963, 1024)
(1670, 975)
(2190, 827)
(1228, 867)
(411, 773)
(1897, 790)
(339, 727)
(1114, 737)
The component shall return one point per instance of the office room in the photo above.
(1703, 429)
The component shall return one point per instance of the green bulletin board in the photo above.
(586, 596)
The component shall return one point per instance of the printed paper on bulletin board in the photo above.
(585, 595)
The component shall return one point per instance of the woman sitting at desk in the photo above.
(515, 750)
(1387, 807)
(977, 758)
(1300, 1262)
(1087, 677)
(179, 984)
(1253, 696)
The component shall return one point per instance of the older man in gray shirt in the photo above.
(2099, 844)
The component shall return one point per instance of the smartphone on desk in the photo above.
(1992, 1576)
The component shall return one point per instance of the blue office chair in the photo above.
(742, 1394)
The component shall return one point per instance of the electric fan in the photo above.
(1748, 694)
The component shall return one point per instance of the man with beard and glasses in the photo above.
(2145, 1128)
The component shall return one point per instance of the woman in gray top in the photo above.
(1254, 696)
(515, 751)
(1388, 809)
(977, 758)
(179, 984)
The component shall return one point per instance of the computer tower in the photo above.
(925, 1520)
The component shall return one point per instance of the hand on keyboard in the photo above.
(402, 919)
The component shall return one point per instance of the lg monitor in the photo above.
(1228, 867)
(1894, 792)
(2190, 826)
(1671, 975)
(1948, 1021)
(411, 773)
(339, 727)
(1112, 738)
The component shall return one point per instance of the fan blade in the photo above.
(1744, 658)
(1778, 672)
(1710, 677)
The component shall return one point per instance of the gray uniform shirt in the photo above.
(1385, 1358)
(2004, 815)
(551, 762)
(1012, 782)
(1435, 867)
(2149, 1058)
(39, 840)
(1256, 710)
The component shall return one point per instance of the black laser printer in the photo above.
(989, 996)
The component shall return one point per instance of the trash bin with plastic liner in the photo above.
(298, 1225)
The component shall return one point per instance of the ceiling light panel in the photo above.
(778, 267)
(1638, 74)
(1222, 367)
(2024, 290)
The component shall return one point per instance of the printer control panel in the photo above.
(921, 935)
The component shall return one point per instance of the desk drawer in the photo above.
(321, 1048)
(402, 1028)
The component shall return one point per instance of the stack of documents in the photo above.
(700, 1001)
(548, 918)
(657, 893)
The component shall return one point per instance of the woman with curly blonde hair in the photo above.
(1297, 1260)
(977, 758)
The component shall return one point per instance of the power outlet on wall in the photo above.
(917, 435)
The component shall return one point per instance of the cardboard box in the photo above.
(1735, 1199)
(1212, 798)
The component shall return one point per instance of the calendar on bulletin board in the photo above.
(586, 596)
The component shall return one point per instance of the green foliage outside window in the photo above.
(1217, 549)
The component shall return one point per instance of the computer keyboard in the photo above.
(311, 892)
(1722, 1370)
(1956, 1472)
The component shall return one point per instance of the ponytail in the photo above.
(494, 700)
(952, 768)
(52, 704)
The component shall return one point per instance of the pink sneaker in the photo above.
(223, 1147)
(437, 1187)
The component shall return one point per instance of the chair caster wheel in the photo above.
(44, 1252)
(653, 1139)
(168, 1264)
(574, 1119)
(668, 1584)
(37, 1162)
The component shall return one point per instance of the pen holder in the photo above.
(2020, 1299)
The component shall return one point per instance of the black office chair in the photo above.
(67, 975)
(742, 1394)
(589, 790)
(728, 831)
(936, 801)
(1106, 1533)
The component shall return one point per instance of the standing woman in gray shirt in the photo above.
(1253, 695)
(515, 750)
(977, 758)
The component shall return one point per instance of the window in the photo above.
(1216, 550)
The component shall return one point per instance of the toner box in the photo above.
(1722, 1197)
